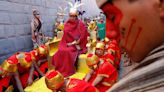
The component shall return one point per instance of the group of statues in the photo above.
(98, 39)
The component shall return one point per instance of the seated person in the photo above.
(72, 44)
(102, 74)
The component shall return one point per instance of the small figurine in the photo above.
(92, 38)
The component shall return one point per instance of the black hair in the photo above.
(110, 1)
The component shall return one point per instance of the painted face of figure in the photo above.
(99, 52)
(72, 17)
(36, 14)
(141, 26)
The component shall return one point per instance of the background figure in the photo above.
(72, 44)
(35, 28)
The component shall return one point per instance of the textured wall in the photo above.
(90, 7)
(15, 17)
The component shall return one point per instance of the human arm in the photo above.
(18, 82)
(88, 76)
(31, 74)
(32, 31)
(97, 80)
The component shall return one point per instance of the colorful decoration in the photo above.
(92, 59)
(54, 80)
(74, 8)
(10, 65)
(42, 51)
(25, 59)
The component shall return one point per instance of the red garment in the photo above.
(110, 74)
(34, 54)
(113, 18)
(65, 57)
(5, 82)
(12, 59)
(114, 45)
(76, 85)
(44, 67)
(24, 77)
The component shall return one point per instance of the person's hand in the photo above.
(72, 43)
(78, 47)
(29, 81)
(69, 44)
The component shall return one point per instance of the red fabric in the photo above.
(34, 55)
(25, 75)
(43, 56)
(65, 57)
(44, 67)
(22, 70)
(13, 59)
(4, 82)
(113, 45)
(24, 78)
(109, 56)
(51, 74)
(112, 25)
(76, 85)
(107, 69)
(28, 57)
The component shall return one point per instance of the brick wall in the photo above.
(15, 17)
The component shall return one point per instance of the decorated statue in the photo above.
(72, 44)
(36, 25)
(59, 22)
(92, 38)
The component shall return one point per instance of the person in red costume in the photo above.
(20, 69)
(102, 74)
(56, 82)
(100, 49)
(72, 44)
(9, 68)
(112, 47)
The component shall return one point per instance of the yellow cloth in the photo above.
(78, 75)
(38, 86)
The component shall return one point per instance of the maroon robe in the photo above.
(65, 58)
